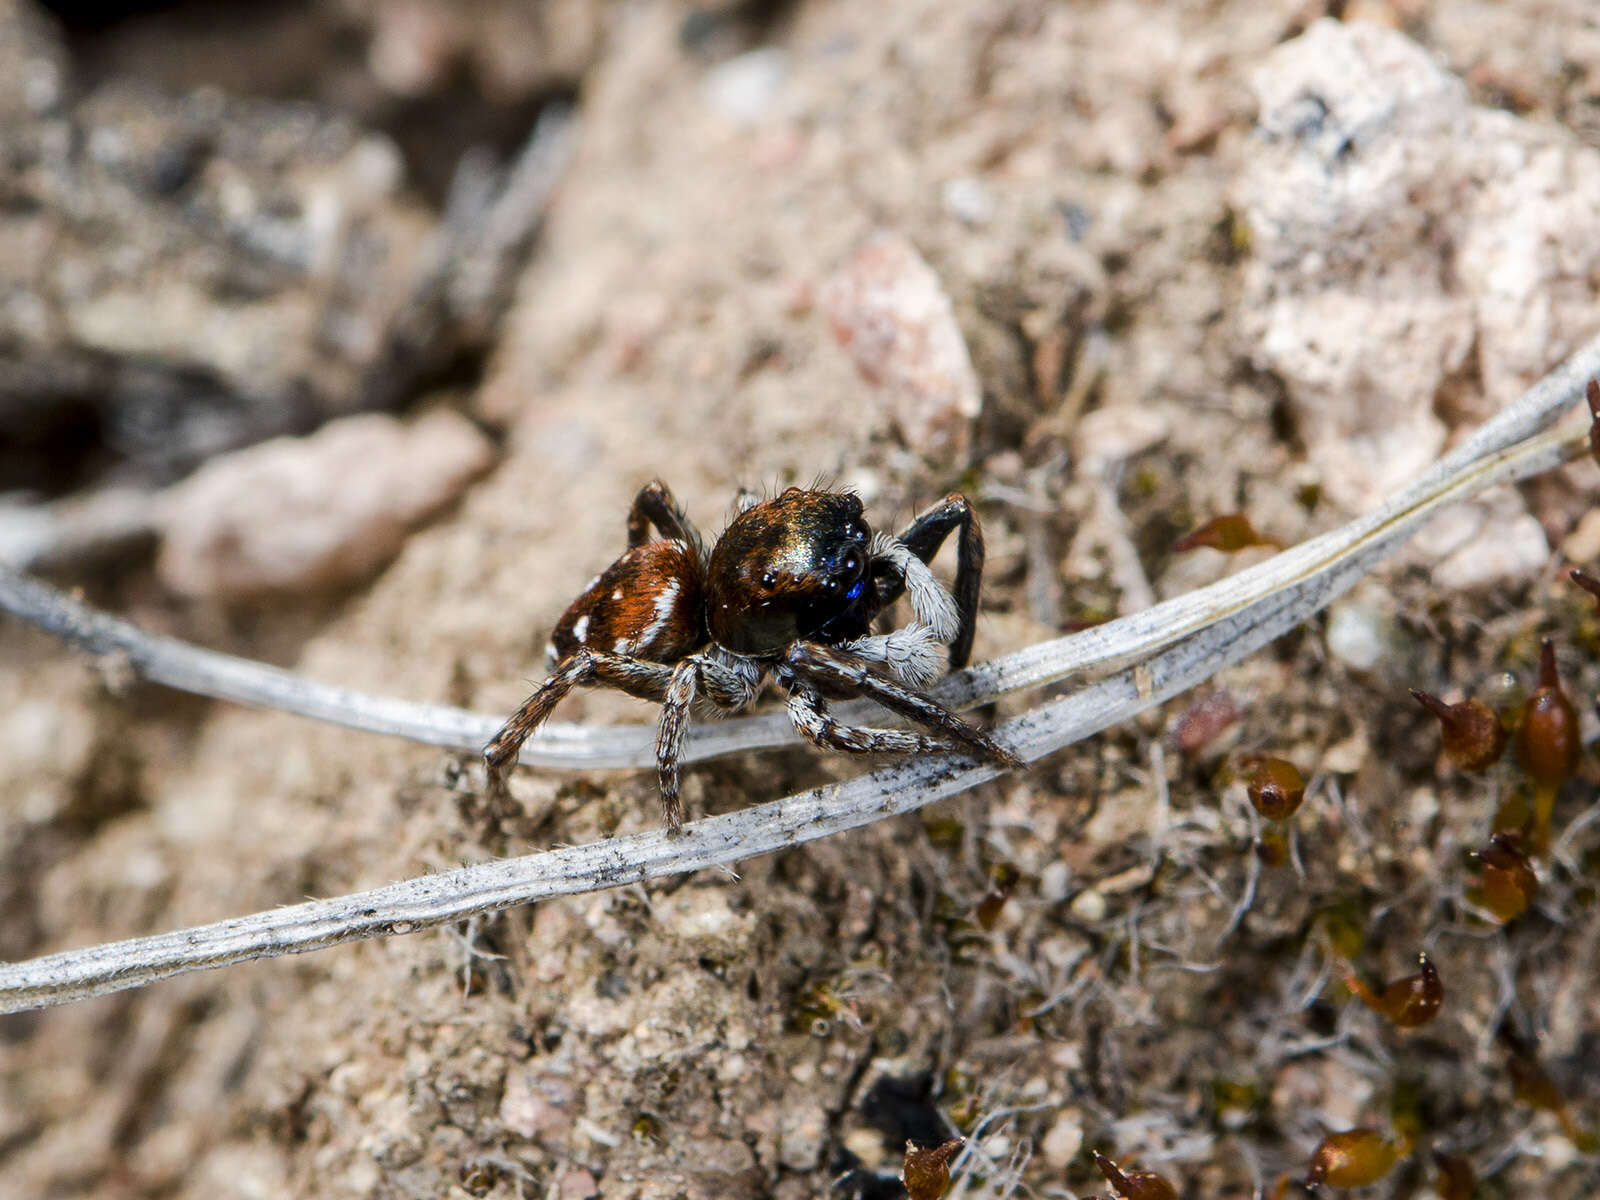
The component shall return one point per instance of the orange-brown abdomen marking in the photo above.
(646, 605)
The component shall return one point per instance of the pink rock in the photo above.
(887, 308)
(1407, 247)
(536, 1104)
(578, 1184)
(306, 514)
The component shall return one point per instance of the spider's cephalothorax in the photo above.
(787, 593)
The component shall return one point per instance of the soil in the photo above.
(1164, 982)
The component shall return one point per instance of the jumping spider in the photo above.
(788, 592)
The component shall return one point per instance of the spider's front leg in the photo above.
(637, 677)
(841, 673)
(923, 537)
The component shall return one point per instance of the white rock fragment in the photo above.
(1359, 635)
(1556, 1153)
(1396, 229)
(1063, 1139)
(1477, 544)
(1054, 882)
(1348, 755)
(536, 1105)
(968, 200)
(36, 734)
(1089, 905)
(887, 309)
(802, 1135)
(33, 62)
(411, 48)
(27, 532)
(1582, 545)
(305, 514)
(1113, 435)
(1121, 817)
(578, 1184)
(1509, 546)
(1450, 530)
(744, 89)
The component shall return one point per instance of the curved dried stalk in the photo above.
(562, 745)
(1175, 646)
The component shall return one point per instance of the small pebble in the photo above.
(578, 1184)
(1089, 905)
(887, 308)
(743, 89)
(1063, 1139)
(1118, 433)
(967, 200)
(1582, 545)
(1358, 634)
(1511, 547)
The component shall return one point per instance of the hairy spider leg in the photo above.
(656, 505)
(925, 535)
(637, 677)
(726, 682)
(843, 673)
(669, 738)
(911, 651)
(809, 712)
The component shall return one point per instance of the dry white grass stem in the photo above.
(1165, 650)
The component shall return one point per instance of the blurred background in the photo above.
(341, 335)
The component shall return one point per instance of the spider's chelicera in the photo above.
(787, 593)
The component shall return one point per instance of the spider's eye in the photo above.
(769, 580)
(851, 563)
(859, 534)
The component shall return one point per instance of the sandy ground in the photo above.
(1081, 180)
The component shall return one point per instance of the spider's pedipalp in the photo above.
(911, 653)
(934, 605)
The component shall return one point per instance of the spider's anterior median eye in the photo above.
(851, 563)
(769, 581)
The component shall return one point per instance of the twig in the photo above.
(1252, 879)
(474, 259)
(1208, 630)
(1127, 572)
(567, 746)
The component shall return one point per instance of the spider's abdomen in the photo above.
(648, 604)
